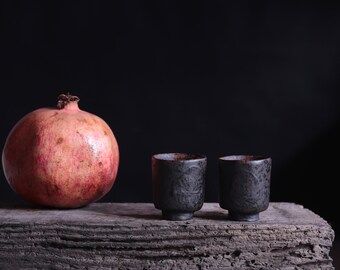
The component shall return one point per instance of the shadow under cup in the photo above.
(244, 185)
(178, 183)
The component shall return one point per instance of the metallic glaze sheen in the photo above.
(178, 184)
(244, 186)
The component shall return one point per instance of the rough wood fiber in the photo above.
(133, 236)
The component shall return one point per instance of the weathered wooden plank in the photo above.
(133, 236)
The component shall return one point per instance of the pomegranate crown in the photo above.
(64, 99)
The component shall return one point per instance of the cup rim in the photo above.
(244, 158)
(179, 157)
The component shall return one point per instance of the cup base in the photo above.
(172, 215)
(243, 217)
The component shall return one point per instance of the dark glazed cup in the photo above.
(244, 186)
(178, 182)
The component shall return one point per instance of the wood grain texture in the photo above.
(133, 236)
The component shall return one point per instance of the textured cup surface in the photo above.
(178, 183)
(244, 185)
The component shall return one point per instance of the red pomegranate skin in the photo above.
(63, 158)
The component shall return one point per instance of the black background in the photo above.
(210, 77)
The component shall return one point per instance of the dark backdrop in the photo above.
(211, 77)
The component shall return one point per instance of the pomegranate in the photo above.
(61, 157)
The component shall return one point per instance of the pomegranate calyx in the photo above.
(65, 99)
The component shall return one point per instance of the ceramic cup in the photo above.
(244, 186)
(178, 183)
